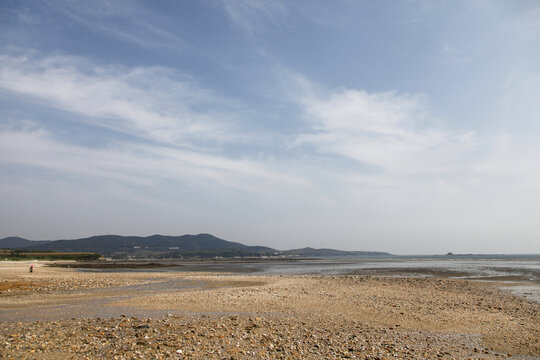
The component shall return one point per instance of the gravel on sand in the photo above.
(269, 317)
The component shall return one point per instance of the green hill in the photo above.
(162, 246)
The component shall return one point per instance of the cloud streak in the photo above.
(256, 15)
(126, 21)
(151, 102)
(139, 164)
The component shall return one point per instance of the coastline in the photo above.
(207, 315)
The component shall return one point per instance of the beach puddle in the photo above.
(530, 292)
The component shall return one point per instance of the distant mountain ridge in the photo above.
(15, 242)
(163, 246)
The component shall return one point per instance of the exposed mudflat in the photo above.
(61, 313)
(114, 265)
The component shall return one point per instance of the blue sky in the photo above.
(408, 127)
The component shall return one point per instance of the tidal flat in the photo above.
(57, 313)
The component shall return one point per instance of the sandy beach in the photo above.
(63, 313)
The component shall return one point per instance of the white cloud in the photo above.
(427, 185)
(428, 181)
(151, 102)
(385, 130)
(139, 164)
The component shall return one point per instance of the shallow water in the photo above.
(520, 272)
(519, 275)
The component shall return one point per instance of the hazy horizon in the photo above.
(292, 248)
(406, 127)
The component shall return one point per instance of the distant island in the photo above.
(169, 247)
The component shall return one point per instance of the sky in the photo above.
(411, 127)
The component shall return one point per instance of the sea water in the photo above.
(519, 274)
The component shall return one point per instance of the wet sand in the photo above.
(63, 313)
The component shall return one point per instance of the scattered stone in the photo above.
(280, 317)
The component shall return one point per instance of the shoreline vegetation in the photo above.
(19, 254)
(59, 312)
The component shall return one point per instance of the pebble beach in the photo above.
(57, 313)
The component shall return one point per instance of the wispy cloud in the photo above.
(256, 15)
(177, 127)
(526, 25)
(452, 55)
(127, 21)
(151, 102)
(385, 130)
(351, 154)
(139, 164)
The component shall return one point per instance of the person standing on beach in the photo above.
(31, 268)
